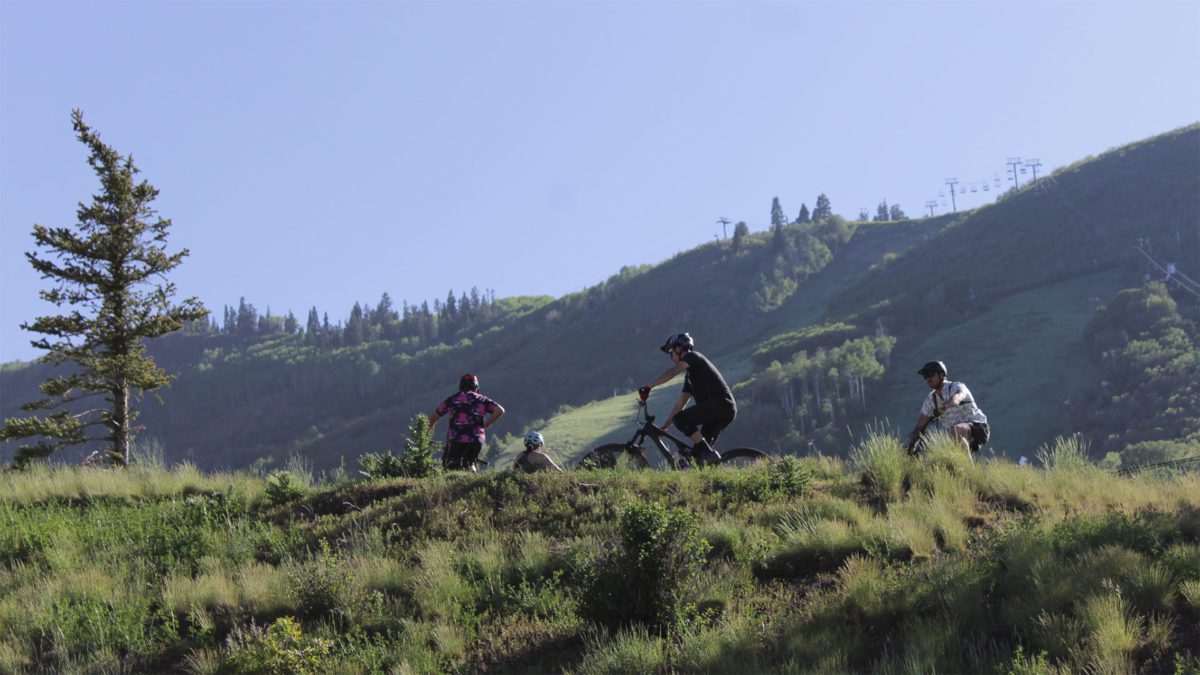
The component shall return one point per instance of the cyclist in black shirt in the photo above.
(714, 408)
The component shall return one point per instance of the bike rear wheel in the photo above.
(615, 456)
(743, 457)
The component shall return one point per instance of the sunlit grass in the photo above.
(930, 564)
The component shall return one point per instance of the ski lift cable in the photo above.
(1190, 286)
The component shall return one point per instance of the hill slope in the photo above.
(887, 565)
(820, 325)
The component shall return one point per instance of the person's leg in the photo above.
(451, 457)
(688, 422)
(961, 433)
(715, 415)
(471, 453)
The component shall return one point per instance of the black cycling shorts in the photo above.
(980, 433)
(460, 456)
(710, 417)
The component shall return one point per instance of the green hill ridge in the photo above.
(818, 326)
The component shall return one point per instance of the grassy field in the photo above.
(878, 564)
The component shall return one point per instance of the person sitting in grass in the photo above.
(534, 459)
(951, 405)
(467, 411)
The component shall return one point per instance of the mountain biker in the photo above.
(714, 406)
(466, 436)
(951, 405)
(534, 459)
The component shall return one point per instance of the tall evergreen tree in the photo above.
(290, 324)
(110, 269)
(896, 213)
(312, 328)
(740, 231)
(863, 216)
(823, 209)
(881, 212)
(804, 216)
(355, 332)
(777, 217)
(384, 311)
(247, 318)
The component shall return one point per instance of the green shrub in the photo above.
(283, 488)
(322, 585)
(417, 461)
(646, 579)
(375, 465)
(792, 477)
(282, 649)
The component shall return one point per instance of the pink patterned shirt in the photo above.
(465, 412)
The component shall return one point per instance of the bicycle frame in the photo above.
(655, 434)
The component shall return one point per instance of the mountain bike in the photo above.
(632, 453)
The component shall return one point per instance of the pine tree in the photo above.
(823, 209)
(355, 328)
(418, 449)
(897, 213)
(110, 269)
(290, 324)
(881, 213)
(739, 234)
(863, 216)
(803, 217)
(312, 328)
(777, 217)
(247, 318)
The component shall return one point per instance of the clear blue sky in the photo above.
(322, 153)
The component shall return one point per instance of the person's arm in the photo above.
(922, 421)
(433, 419)
(667, 375)
(959, 394)
(684, 397)
(496, 414)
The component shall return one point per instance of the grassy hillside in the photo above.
(880, 564)
(1002, 293)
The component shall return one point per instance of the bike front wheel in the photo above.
(615, 456)
(743, 457)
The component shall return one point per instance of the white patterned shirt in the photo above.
(966, 411)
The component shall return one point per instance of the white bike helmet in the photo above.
(534, 440)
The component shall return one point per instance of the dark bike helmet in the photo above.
(678, 340)
(468, 382)
(931, 368)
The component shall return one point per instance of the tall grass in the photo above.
(930, 564)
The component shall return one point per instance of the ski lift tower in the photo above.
(723, 221)
(952, 182)
(1013, 163)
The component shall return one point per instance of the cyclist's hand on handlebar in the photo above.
(644, 393)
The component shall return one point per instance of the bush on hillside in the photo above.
(417, 461)
(281, 649)
(645, 581)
